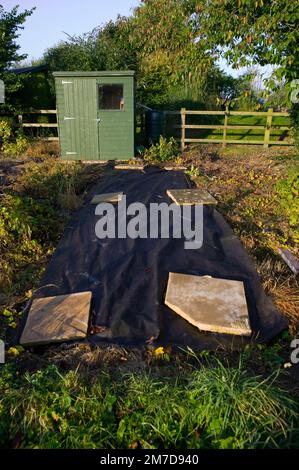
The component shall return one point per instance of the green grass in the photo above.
(215, 406)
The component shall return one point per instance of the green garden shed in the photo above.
(96, 115)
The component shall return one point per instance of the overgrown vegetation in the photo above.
(216, 407)
(257, 192)
(33, 212)
(12, 144)
(27, 226)
(162, 151)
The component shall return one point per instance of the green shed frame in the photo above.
(96, 115)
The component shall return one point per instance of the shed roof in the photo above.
(105, 73)
(33, 69)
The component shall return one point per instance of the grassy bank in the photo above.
(213, 407)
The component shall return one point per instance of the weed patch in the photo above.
(11, 143)
(163, 151)
(33, 213)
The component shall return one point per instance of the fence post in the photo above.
(20, 120)
(225, 125)
(183, 124)
(268, 128)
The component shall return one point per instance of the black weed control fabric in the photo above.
(128, 278)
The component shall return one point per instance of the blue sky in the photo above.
(53, 18)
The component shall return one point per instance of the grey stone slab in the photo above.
(129, 167)
(191, 196)
(56, 319)
(290, 259)
(210, 304)
(174, 167)
(109, 197)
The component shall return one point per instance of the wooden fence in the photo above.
(184, 126)
(184, 113)
(39, 125)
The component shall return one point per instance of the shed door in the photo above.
(116, 117)
(80, 119)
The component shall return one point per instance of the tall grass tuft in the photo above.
(239, 410)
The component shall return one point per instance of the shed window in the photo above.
(111, 97)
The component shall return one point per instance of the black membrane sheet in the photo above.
(128, 278)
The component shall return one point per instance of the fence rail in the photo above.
(269, 115)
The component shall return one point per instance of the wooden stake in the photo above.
(225, 125)
(183, 123)
(268, 128)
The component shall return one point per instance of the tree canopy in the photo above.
(249, 32)
(174, 45)
(10, 24)
(159, 42)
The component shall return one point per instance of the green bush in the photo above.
(163, 151)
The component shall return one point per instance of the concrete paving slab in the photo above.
(129, 167)
(109, 197)
(56, 319)
(174, 167)
(210, 304)
(191, 196)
